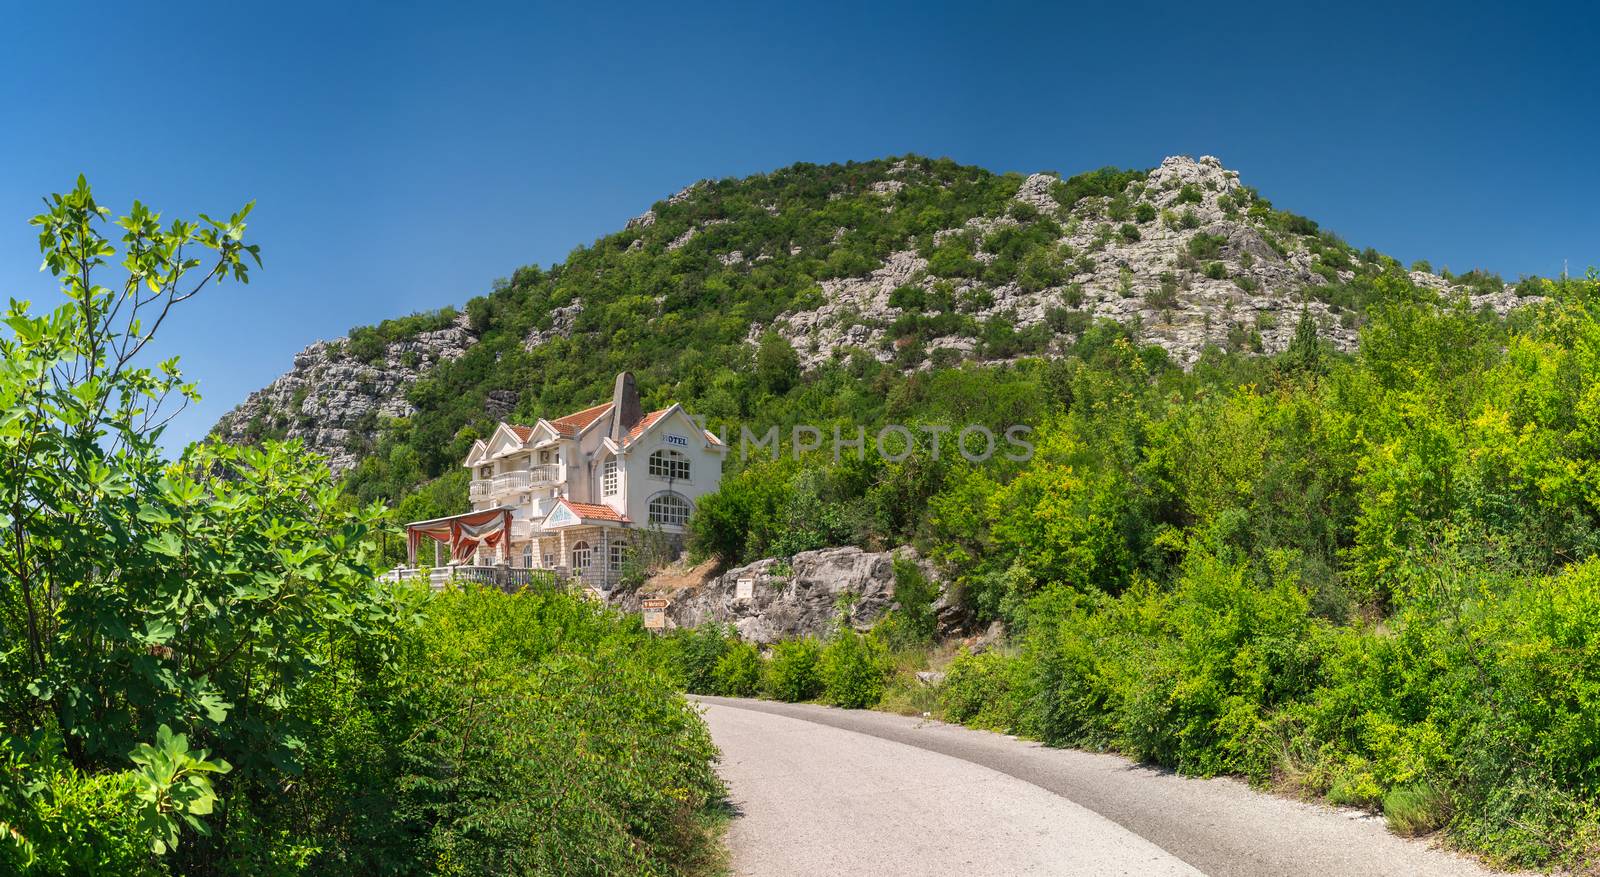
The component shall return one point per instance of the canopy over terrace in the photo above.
(463, 533)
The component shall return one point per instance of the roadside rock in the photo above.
(800, 598)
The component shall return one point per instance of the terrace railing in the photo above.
(506, 578)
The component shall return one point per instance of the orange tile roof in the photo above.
(523, 433)
(596, 512)
(644, 423)
(574, 423)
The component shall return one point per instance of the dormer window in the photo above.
(608, 478)
(670, 465)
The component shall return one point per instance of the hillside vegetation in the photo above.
(854, 276)
(1295, 512)
(1370, 579)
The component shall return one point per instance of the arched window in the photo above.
(581, 555)
(608, 477)
(669, 508)
(670, 464)
(527, 556)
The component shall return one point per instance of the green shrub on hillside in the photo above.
(738, 671)
(1372, 580)
(695, 652)
(855, 668)
(549, 739)
(794, 672)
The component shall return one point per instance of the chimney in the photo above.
(625, 411)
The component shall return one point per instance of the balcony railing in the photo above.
(506, 578)
(509, 482)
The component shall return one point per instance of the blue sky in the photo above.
(403, 156)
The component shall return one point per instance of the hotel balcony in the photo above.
(511, 482)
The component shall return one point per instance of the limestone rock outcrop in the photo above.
(335, 402)
(805, 596)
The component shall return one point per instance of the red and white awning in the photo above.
(463, 533)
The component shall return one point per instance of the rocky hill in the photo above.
(912, 264)
(335, 399)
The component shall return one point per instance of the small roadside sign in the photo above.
(744, 589)
(655, 614)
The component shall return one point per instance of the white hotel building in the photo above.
(573, 494)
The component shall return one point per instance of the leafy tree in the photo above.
(1304, 354)
(777, 364)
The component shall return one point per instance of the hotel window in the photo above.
(619, 555)
(670, 465)
(608, 478)
(581, 555)
(669, 508)
(485, 471)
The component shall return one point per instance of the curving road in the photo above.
(844, 792)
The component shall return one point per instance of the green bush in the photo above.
(1416, 808)
(854, 669)
(695, 654)
(1204, 247)
(988, 690)
(55, 820)
(549, 739)
(912, 620)
(738, 671)
(794, 672)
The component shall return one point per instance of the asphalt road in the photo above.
(842, 792)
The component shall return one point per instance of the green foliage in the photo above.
(1417, 808)
(370, 343)
(913, 620)
(988, 690)
(1373, 579)
(1204, 247)
(738, 671)
(154, 612)
(777, 364)
(174, 784)
(548, 739)
(855, 669)
(794, 672)
(1107, 182)
(56, 820)
(696, 653)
